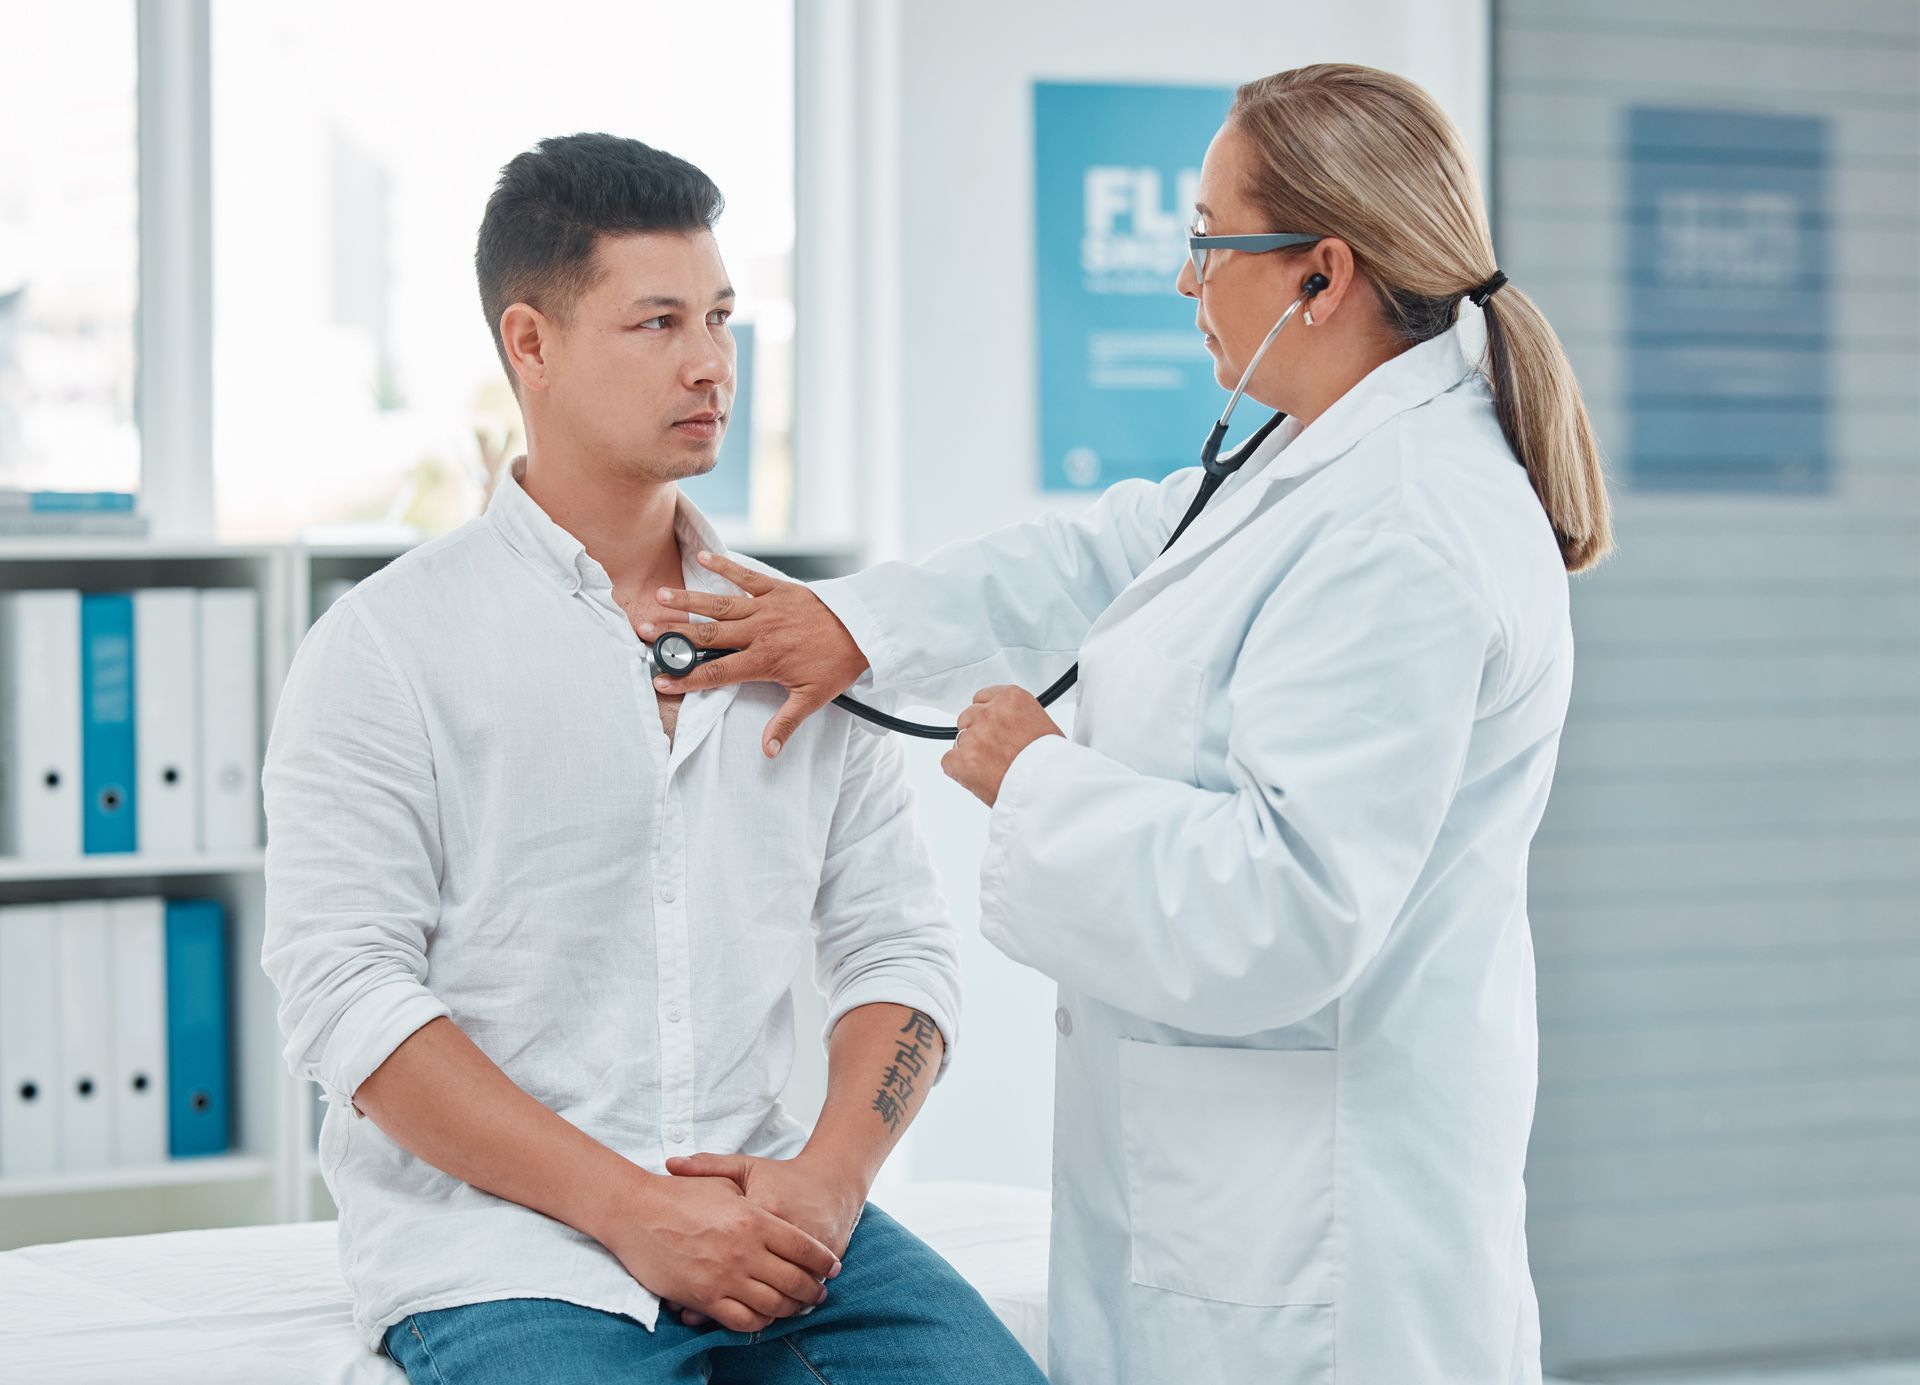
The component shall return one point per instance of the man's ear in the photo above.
(524, 331)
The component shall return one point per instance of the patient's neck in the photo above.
(625, 523)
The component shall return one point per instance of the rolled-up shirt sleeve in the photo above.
(883, 933)
(353, 858)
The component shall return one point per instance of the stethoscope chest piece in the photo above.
(675, 655)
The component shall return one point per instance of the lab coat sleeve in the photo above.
(353, 858)
(883, 934)
(1233, 912)
(1009, 607)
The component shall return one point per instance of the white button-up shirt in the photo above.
(473, 811)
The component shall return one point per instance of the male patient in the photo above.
(533, 925)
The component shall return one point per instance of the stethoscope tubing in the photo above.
(1217, 469)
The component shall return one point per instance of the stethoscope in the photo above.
(674, 655)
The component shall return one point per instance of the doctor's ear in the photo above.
(1325, 275)
(1327, 272)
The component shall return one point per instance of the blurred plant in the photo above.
(498, 434)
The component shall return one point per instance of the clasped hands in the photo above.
(733, 1239)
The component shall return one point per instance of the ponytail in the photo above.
(1537, 400)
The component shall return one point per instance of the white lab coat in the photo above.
(1279, 872)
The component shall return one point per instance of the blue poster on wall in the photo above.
(1727, 301)
(726, 491)
(1126, 387)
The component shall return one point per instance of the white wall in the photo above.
(1726, 886)
(941, 117)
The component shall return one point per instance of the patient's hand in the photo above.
(702, 1246)
(821, 1199)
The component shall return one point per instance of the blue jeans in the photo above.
(897, 1315)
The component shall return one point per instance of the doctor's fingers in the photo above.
(801, 703)
(961, 763)
(715, 604)
(745, 578)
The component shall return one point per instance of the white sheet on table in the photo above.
(267, 1303)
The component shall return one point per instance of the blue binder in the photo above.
(199, 1114)
(107, 762)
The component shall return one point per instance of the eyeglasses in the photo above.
(1198, 246)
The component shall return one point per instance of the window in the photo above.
(354, 146)
(69, 247)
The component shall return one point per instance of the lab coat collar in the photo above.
(1292, 452)
(1415, 376)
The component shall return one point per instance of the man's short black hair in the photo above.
(554, 201)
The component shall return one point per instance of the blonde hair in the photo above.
(1368, 157)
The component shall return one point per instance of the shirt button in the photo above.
(673, 1014)
(1063, 1021)
(677, 1135)
(666, 893)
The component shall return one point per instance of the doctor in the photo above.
(1280, 868)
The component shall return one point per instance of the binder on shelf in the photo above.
(29, 1040)
(19, 499)
(86, 1035)
(107, 755)
(229, 719)
(198, 1096)
(40, 724)
(166, 658)
(139, 1075)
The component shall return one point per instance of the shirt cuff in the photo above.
(841, 596)
(371, 1028)
(886, 991)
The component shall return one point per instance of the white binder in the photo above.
(229, 719)
(86, 1034)
(40, 724)
(166, 639)
(29, 1039)
(139, 1079)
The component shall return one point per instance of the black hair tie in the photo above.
(1487, 290)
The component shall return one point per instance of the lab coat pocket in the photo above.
(1145, 709)
(1229, 1155)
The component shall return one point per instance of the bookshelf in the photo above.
(248, 1183)
(271, 1174)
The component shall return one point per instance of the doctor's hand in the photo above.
(785, 635)
(1002, 722)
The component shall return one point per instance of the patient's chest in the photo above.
(669, 705)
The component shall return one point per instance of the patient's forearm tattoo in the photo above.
(899, 1082)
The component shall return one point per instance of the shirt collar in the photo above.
(532, 533)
